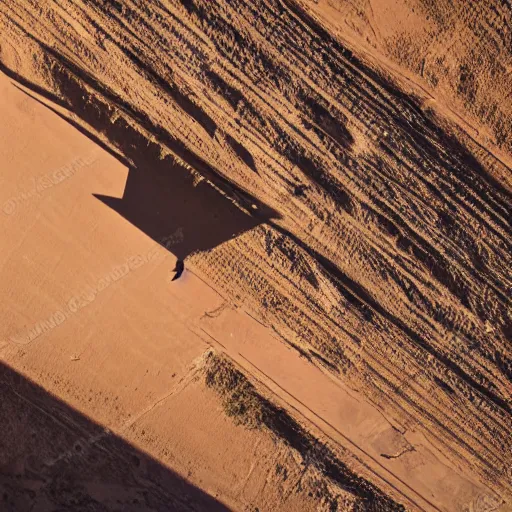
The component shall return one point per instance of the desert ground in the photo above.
(256, 255)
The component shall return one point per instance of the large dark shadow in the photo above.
(54, 458)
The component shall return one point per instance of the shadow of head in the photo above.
(180, 211)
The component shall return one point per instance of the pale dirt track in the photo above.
(344, 216)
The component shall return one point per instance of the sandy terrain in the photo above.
(256, 255)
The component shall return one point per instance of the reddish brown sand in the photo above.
(335, 176)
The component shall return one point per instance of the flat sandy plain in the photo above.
(336, 177)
